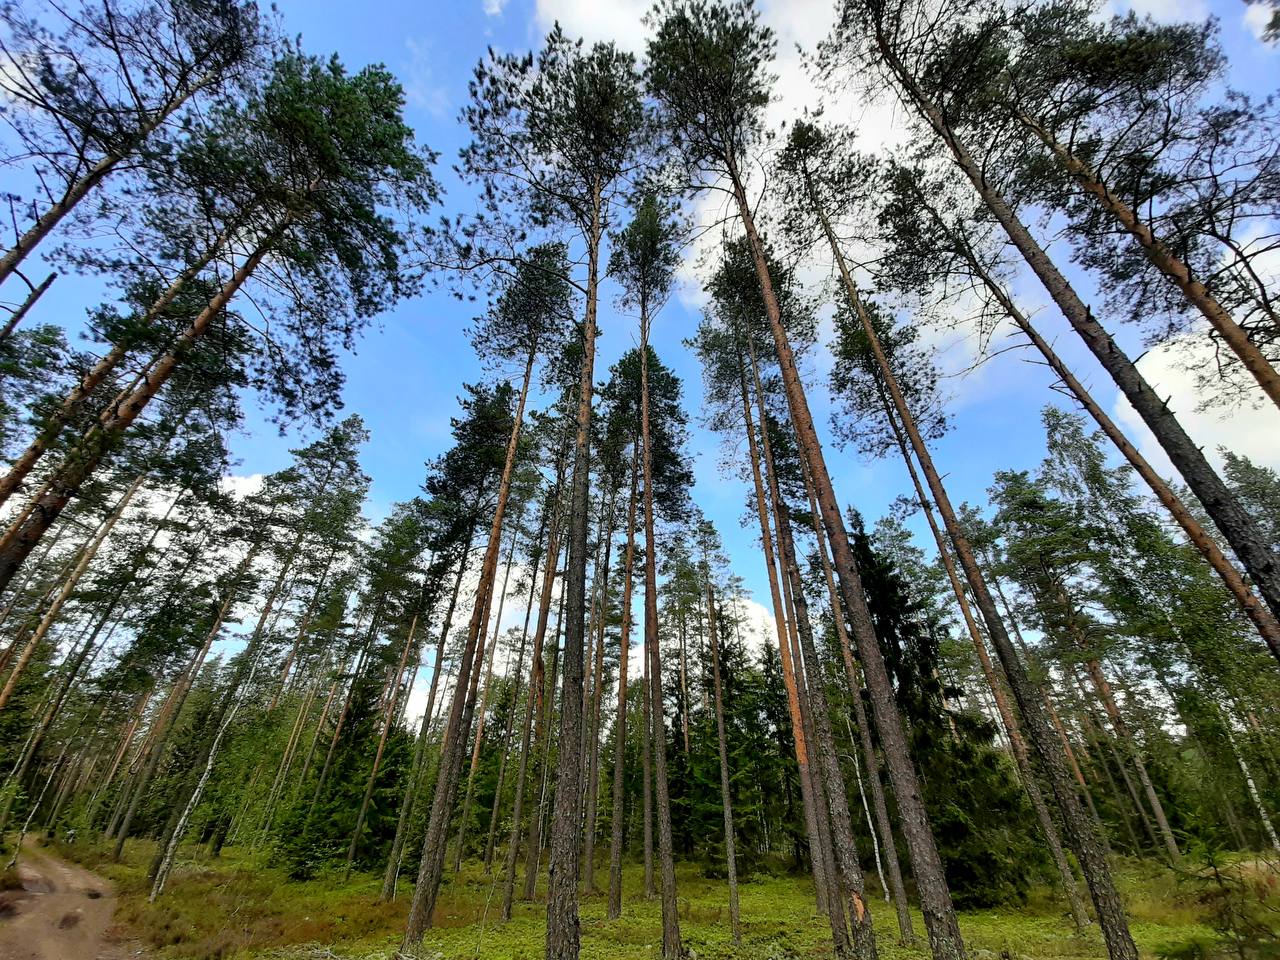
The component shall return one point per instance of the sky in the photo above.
(407, 372)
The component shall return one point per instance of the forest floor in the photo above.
(242, 906)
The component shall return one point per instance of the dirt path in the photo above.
(62, 912)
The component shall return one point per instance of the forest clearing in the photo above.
(682, 479)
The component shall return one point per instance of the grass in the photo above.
(242, 906)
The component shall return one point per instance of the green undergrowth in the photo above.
(243, 906)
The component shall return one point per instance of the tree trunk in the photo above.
(458, 727)
(671, 947)
(798, 735)
(23, 308)
(68, 587)
(484, 707)
(1017, 745)
(726, 792)
(935, 899)
(388, 717)
(882, 828)
(510, 726)
(597, 695)
(1237, 526)
(170, 712)
(1084, 838)
(81, 188)
(1266, 624)
(23, 534)
(1175, 270)
(613, 910)
(533, 701)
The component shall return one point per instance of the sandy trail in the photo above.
(63, 913)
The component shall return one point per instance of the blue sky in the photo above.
(406, 373)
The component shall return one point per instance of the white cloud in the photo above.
(494, 8)
(1257, 17)
(1250, 431)
(616, 20)
(241, 487)
(1162, 11)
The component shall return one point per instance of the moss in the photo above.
(243, 906)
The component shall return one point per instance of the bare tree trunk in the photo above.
(614, 908)
(1017, 745)
(92, 177)
(597, 695)
(414, 784)
(68, 587)
(484, 707)
(780, 605)
(1085, 840)
(726, 791)
(47, 505)
(510, 725)
(463, 705)
(533, 701)
(23, 308)
(671, 947)
(1175, 270)
(935, 898)
(388, 717)
(1237, 526)
(882, 828)
(1265, 622)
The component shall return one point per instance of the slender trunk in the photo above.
(1103, 688)
(1084, 838)
(1017, 745)
(533, 700)
(597, 695)
(882, 828)
(484, 708)
(388, 717)
(1263, 818)
(510, 725)
(935, 898)
(457, 729)
(68, 587)
(1163, 257)
(613, 909)
(843, 845)
(726, 793)
(544, 745)
(1237, 526)
(646, 773)
(80, 464)
(798, 735)
(171, 710)
(23, 308)
(671, 947)
(1265, 622)
(92, 177)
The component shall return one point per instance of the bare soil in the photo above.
(62, 911)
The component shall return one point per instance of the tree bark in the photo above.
(23, 308)
(882, 828)
(1084, 838)
(1237, 526)
(935, 898)
(726, 791)
(23, 535)
(460, 711)
(68, 587)
(671, 946)
(1175, 270)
